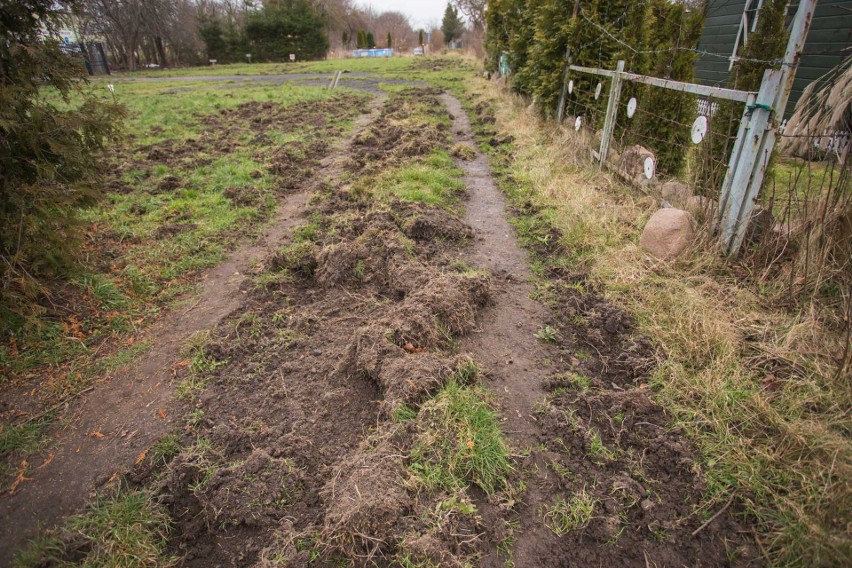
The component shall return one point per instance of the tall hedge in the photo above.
(269, 34)
(647, 34)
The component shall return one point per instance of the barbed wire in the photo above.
(773, 62)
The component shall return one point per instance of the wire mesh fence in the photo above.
(678, 145)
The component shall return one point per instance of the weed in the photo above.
(597, 449)
(360, 269)
(404, 413)
(467, 372)
(565, 516)
(547, 334)
(164, 449)
(194, 418)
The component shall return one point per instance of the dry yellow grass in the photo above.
(754, 385)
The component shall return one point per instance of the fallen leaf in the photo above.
(470, 444)
(97, 434)
(409, 347)
(17, 481)
(141, 457)
(162, 413)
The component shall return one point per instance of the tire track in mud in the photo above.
(505, 342)
(105, 431)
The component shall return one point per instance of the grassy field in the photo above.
(165, 219)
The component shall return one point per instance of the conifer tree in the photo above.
(53, 129)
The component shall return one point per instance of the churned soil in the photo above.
(572, 381)
(294, 453)
(100, 434)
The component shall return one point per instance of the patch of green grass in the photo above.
(459, 442)
(164, 449)
(129, 529)
(574, 514)
(597, 449)
(19, 442)
(434, 180)
(404, 413)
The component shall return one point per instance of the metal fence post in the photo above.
(611, 111)
(756, 137)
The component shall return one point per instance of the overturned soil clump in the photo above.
(412, 123)
(293, 451)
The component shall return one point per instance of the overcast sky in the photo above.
(420, 12)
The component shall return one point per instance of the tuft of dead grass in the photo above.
(755, 385)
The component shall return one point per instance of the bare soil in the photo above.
(295, 455)
(98, 436)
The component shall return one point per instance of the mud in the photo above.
(298, 417)
(580, 405)
(394, 136)
(129, 407)
(295, 453)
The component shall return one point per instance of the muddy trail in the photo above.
(101, 434)
(386, 392)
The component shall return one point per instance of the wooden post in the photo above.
(560, 107)
(756, 137)
(611, 111)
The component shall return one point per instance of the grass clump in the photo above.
(574, 514)
(459, 442)
(128, 529)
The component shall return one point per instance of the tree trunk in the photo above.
(161, 52)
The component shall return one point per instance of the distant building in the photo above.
(730, 22)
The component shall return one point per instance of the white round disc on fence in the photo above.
(699, 129)
(598, 90)
(570, 86)
(649, 167)
(631, 107)
(578, 122)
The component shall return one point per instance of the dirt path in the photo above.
(516, 361)
(104, 431)
(584, 425)
(506, 342)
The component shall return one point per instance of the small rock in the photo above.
(632, 164)
(646, 504)
(668, 233)
(676, 192)
(317, 352)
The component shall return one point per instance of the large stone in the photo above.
(668, 233)
(676, 192)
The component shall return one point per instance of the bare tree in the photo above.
(474, 11)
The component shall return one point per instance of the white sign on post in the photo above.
(292, 57)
